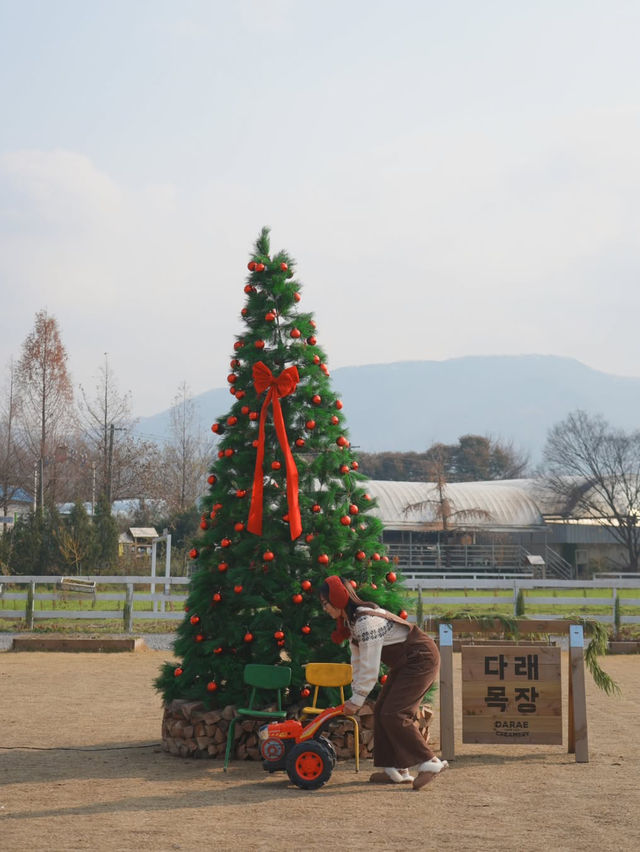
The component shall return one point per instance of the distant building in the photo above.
(19, 503)
(498, 526)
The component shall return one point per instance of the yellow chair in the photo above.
(331, 676)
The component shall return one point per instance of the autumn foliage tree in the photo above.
(46, 398)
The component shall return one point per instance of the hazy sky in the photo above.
(456, 178)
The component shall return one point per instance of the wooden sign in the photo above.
(511, 694)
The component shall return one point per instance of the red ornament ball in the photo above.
(232, 378)
(212, 686)
(306, 585)
(383, 678)
(334, 420)
(218, 428)
(269, 316)
(217, 597)
(305, 629)
(297, 598)
(237, 589)
(177, 671)
(295, 333)
(338, 404)
(296, 297)
(260, 267)
(193, 553)
(212, 479)
(345, 520)
(300, 442)
(391, 577)
(259, 344)
(323, 559)
(249, 288)
(278, 635)
(228, 452)
(341, 441)
(283, 267)
(226, 542)
(310, 424)
(275, 465)
(199, 637)
(241, 492)
(239, 526)
(222, 567)
(360, 555)
(232, 420)
(353, 509)
(268, 556)
(195, 619)
(316, 399)
(344, 468)
(316, 508)
(309, 537)
(251, 265)
(248, 637)
(311, 340)
(403, 614)
(306, 692)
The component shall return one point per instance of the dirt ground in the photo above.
(122, 792)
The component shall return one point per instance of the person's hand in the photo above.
(350, 709)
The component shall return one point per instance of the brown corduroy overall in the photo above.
(413, 666)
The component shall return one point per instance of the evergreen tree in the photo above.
(105, 532)
(75, 539)
(286, 507)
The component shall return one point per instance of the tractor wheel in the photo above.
(326, 742)
(309, 764)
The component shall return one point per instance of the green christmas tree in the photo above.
(286, 507)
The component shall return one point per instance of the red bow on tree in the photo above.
(285, 384)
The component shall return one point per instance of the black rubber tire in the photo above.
(332, 750)
(309, 765)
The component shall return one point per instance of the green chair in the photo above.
(260, 677)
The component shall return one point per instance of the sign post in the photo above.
(513, 693)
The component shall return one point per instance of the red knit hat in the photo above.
(338, 595)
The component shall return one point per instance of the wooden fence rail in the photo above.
(168, 604)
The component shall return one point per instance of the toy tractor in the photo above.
(306, 755)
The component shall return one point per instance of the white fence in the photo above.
(164, 605)
(168, 603)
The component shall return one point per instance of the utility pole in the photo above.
(110, 463)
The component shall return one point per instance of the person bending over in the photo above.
(412, 659)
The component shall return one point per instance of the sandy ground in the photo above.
(124, 793)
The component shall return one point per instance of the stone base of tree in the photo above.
(190, 730)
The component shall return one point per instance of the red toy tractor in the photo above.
(306, 755)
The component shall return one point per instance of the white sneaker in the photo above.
(394, 774)
(434, 765)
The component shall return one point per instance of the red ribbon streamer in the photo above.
(284, 385)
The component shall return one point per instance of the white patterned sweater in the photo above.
(371, 633)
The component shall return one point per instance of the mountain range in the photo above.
(409, 405)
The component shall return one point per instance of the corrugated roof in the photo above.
(507, 504)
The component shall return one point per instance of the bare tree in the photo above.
(186, 454)
(594, 470)
(11, 457)
(46, 399)
(444, 509)
(107, 423)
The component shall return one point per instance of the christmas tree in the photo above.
(286, 507)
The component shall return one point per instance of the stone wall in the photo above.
(190, 730)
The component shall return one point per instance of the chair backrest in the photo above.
(260, 676)
(330, 676)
